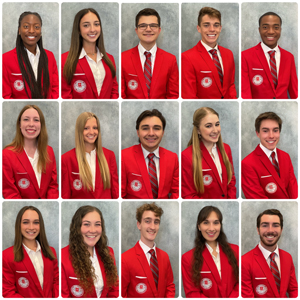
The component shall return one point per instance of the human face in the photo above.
(210, 29)
(150, 133)
(90, 28)
(269, 134)
(269, 231)
(148, 36)
(30, 124)
(90, 131)
(270, 30)
(210, 228)
(30, 226)
(91, 229)
(210, 129)
(30, 31)
(148, 227)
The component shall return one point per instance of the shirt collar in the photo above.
(266, 49)
(208, 47)
(152, 50)
(84, 54)
(210, 249)
(146, 152)
(267, 151)
(266, 253)
(38, 247)
(35, 156)
(146, 248)
(37, 53)
(93, 152)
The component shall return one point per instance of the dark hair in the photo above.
(150, 113)
(158, 211)
(147, 12)
(272, 212)
(39, 88)
(211, 12)
(270, 13)
(267, 116)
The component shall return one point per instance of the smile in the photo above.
(270, 142)
(91, 35)
(211, 35)
(211, 234)
(151, 232)
(270, 38)
(31, 131)
(31, 37)
(31, 233)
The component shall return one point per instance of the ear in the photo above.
(138, 224)
(198, 28)
(257, 134)
(220, 28)
(199, 227)
(136, 30)
(257, 230)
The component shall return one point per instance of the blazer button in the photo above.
(223, 195)
(274, 97)
(222, 97)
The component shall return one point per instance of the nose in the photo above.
(271, 134)
(271, 30)
(31, 28)
(211, 27)
(151, 131)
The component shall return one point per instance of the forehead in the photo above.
(209, 19)
(148, 19)
(91, 122)
(212, 216)
(209, 118)
(269, 124)
(270, 20)
(149, 214)
(30, 112)
(92, 216)
(151, 121)
(269, 219)
(89, 17)
(31, 19)
(30, 214)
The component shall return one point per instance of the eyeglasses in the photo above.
(144, 26)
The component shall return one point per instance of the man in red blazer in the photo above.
(136, 182)
(265, 177)
(138, 278)
(162, 79)
(265, 276)
(205, 75)
(259, 80)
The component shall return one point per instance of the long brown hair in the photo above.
(80, 256)
(199, 114)
(77, 44)
(42, 238)
(200, 245)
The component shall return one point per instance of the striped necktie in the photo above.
(147, 71)
(217, 64)
(275, 271)
(273, 67)
(154, 266)
(275, 163)
(153, 175)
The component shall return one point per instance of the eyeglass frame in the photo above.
(156, 26)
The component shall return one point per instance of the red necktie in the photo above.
(275, 163)
(275, 271)
(154, 266)
(217, 64)
(153, 175)
(147, 71)
(273, 67)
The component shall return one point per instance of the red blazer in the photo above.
(258, 280)
(83, 84)
(165, 77)
(257, 79)
(70, 286)
(211, 285)
(200, 78)
(135, 177)
(19, 279)
(12, 80)
(19, 180)
(261, 181)
(213, 187)
(72, 186)
(137, 278)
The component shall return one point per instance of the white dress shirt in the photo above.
(98, 282)
(34, 60)
(266, 49)
(143, 56)
(215, 156)
(34, 163)
(91, 159)
(266, 253)
(216, 259)
(155, 159)
(146, 250)
(269, 152)
(218, 53)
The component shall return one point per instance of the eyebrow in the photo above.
(29, 220)
(270, 24)
(211, 23)
(267, 223)
(270, 128)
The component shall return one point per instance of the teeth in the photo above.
(31, 37)
(212, 35)
(270, 142)
(92, 35)
(91, 236)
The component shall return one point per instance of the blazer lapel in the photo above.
(211, 265)
(162, 171)
(98, 176)
(106, 80)
(156, 70)
(226, 271)
(282, 66)
(224, 172)
(284, 274)
(89, 75)
(103, 276)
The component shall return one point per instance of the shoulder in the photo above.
(188, 151)
(127, 255)
(187, 256)
(168, 152)
(162, 253)
(107, 152)
(249, 255)
(225, 50)
(283, 153)
(286, 53)
(226, 147)
(8, 152)
(248, 160)
(249, 52)
(285, 254)
(110, 56)
(8, 254)
(69, 154)
(49, 54)
(191, 51)
(130, 149)
(235, 248)
(9, 54)
(129, 52)
(64, 57)
(50, 150)
(65, 252)
(165, 54)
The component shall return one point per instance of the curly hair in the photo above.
(200, 245)
(158, 211)
(80, 256)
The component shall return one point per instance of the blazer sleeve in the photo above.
(66, 89)
(188, 78)
(175, 182)
(115, 87)
(55, 80)
(113, 291)
(173, 82)
(231, 188)
(232, 90)
(170, 285)
(114, 180)
(55, 290)
(123, 178)
(293, 86)
(293, 285)
(65, 180)
(125, 278)
(52, 192)
(236, 289)
(293, 185)
(123, 82)
(65, 291)
(6, 87)
(247, 288)
(246, 88)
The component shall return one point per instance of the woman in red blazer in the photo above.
(207, 168)
(210, 270)
(22, 78)
(88, 72)
(30, 252)
(89, 171)
(28, 166)
(88, 264)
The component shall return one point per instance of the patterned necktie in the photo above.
(217, 64)
(154, 266)
(273, 67)
(147, 71)
(275, 163)
(275, 271)
(153, 175)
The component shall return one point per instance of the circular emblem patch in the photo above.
(77, 184)
(206, 283)
(207, 179)
(257, 80)
(19, 85)
(79, 86)
(271, 188)
(141, 288)
(132, 85)
(206, 82)
(136, 185)
(23, 183)
(23, 282)
(77, 290)
(261, 289)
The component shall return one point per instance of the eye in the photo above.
(25, 222)
(156, 222)
(36, 222)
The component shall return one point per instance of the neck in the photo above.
(148, 46)
(30, 144)
(210, 45)
(212, 244)
(208, 145)
(89, 147)
(31, 244)
(150, 244)
(90, 249)
(89, 48)
(269, 248)
(32, 49)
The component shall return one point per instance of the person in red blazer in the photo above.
(78, 181)
(21, 176)
(257, 279)
(257, 80)
(260, 179)
(200, 77)
(212, 176)
(164, 83)
(136, 183)
(138, 280)
(87, 231)
(213, 280)
(88, 72)
(19, 276)
(23, 81)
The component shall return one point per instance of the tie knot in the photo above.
(272, 53)
(213, 52)
(151, 156)
(273, 155)
(152, 252)
(147, 54)
(272, 256)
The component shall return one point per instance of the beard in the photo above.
(264, 241)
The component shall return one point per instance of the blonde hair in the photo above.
(84, 168)
(199, 114)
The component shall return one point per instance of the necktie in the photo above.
(273, 67)
(275, 271)
(153, 175)
(147, 71)
(217, 64)
(275, 163)
(154, 266)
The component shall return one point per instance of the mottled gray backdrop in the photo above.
(229, 36)
(167, 238)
